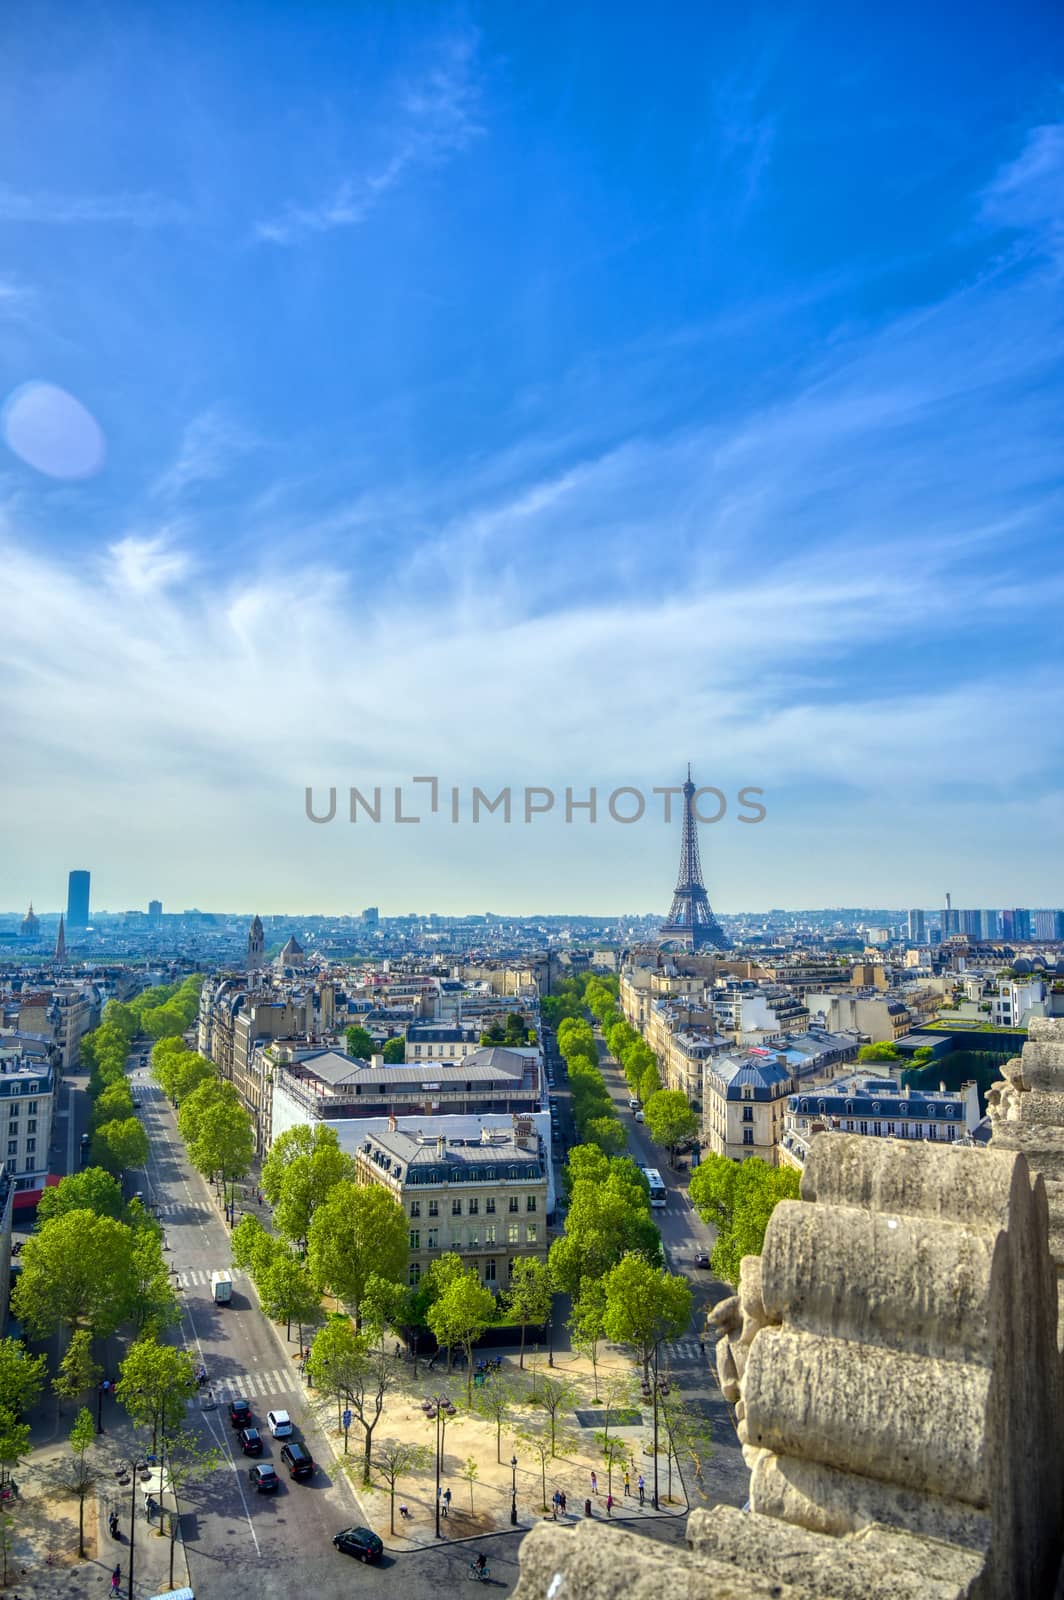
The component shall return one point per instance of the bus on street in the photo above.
(657, 1188)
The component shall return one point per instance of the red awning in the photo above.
(26, 1199)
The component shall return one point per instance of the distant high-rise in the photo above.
(77, 913)
(917, 927)
(1046, 924)
(991, 924)
(691, 922)
(371, 916)
(971, 924)
(1021, 924)
(155, 909)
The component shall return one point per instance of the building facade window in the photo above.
(415, 1208)
(434, 1208)
(531, 1232)
(748, 1136)
(748, 1113)
(414, 1275)
(432, 1241)
(515, 1204)
(474, 1206)
(456, 1208)
(513, 1233)
(531, 1203)
(415, 1239)
(489, 1233)
(489, 1271)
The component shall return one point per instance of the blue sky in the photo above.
(532, 395)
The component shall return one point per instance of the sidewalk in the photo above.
(43, 1560)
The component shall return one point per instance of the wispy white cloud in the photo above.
(209, 444)
(142, 565)
(436, 118)
(16, 299)
(1029, 191)
(145, 210)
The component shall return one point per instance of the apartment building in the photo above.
(484, 1199)
(429, 1042)
(745, 1092)
(879, 1108)
(27, 1095)
(881, 1017)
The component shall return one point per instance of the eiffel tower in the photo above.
(691, 921)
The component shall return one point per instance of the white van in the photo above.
(633, 1104)
(639, 1117)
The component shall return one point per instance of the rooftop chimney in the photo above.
(392, 1123)
(441, 1146)
(376, 1061)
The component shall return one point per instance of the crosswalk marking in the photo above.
(688, 1349)
(278, 1386)
(183, 1208)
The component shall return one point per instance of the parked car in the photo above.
(263, 1476)
(361, 1542)
(633, 1103)
(240, 1412)
(251, 1441)
(703, 1262)
(298, 1459)
(279, 1424)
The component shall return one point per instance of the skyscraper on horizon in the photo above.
(691, 921)
(917, 927)
(77, 912)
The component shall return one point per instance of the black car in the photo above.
(702, 1261)
(251, 1441)
(361, 1542)
(240, 1413)
(298, 1459)
(263, 1477)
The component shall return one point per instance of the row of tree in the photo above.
(738, 1198)
(592, 1108)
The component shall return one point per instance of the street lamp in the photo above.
(659, 1386)
(513, 1492)
(101, 1389)
(438, 1409)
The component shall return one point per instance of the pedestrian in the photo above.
(561, 1501)
(702, 1346)
(447, 1502)
(627, 1484)
(609, 1505)
(594, 1481)
(587, 1508)
(112, 1523)
(642, 1489)
(554, 1505)
(116, 1580)
(398, 1348)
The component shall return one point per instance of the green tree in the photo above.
(92, 1189)
(394, 1459)
(471, 1472)
(556, 1396)
(607, 1133)
(120, 1146)
(373, 1374)
(357, 1231)
(604, 1222)
(115, 1104)
(334, 1360)
(224, 1145)
(649, 1083)
(530, 1295)
(645, 1304)
(14, 1442)
(670, 1118)
(395, 1052)
(360, 1043)
(254, 1249)
(306, 1181)
(459, 1317)
(76, 1272)
(884, 1051)
(155, 1304)
(78, 1372)
(287, 1294)
(495, 1399)
(21, 1376)
(154, 1383)
(738, 1198)
(83, 1474)
(586, 1323)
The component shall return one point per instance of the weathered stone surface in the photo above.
(879, 1562)
(828, 1501)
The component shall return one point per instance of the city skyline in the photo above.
(443, 394)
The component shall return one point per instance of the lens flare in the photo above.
(52, 432)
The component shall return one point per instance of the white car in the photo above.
(279, 1424)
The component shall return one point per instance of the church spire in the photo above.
(60, 944)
